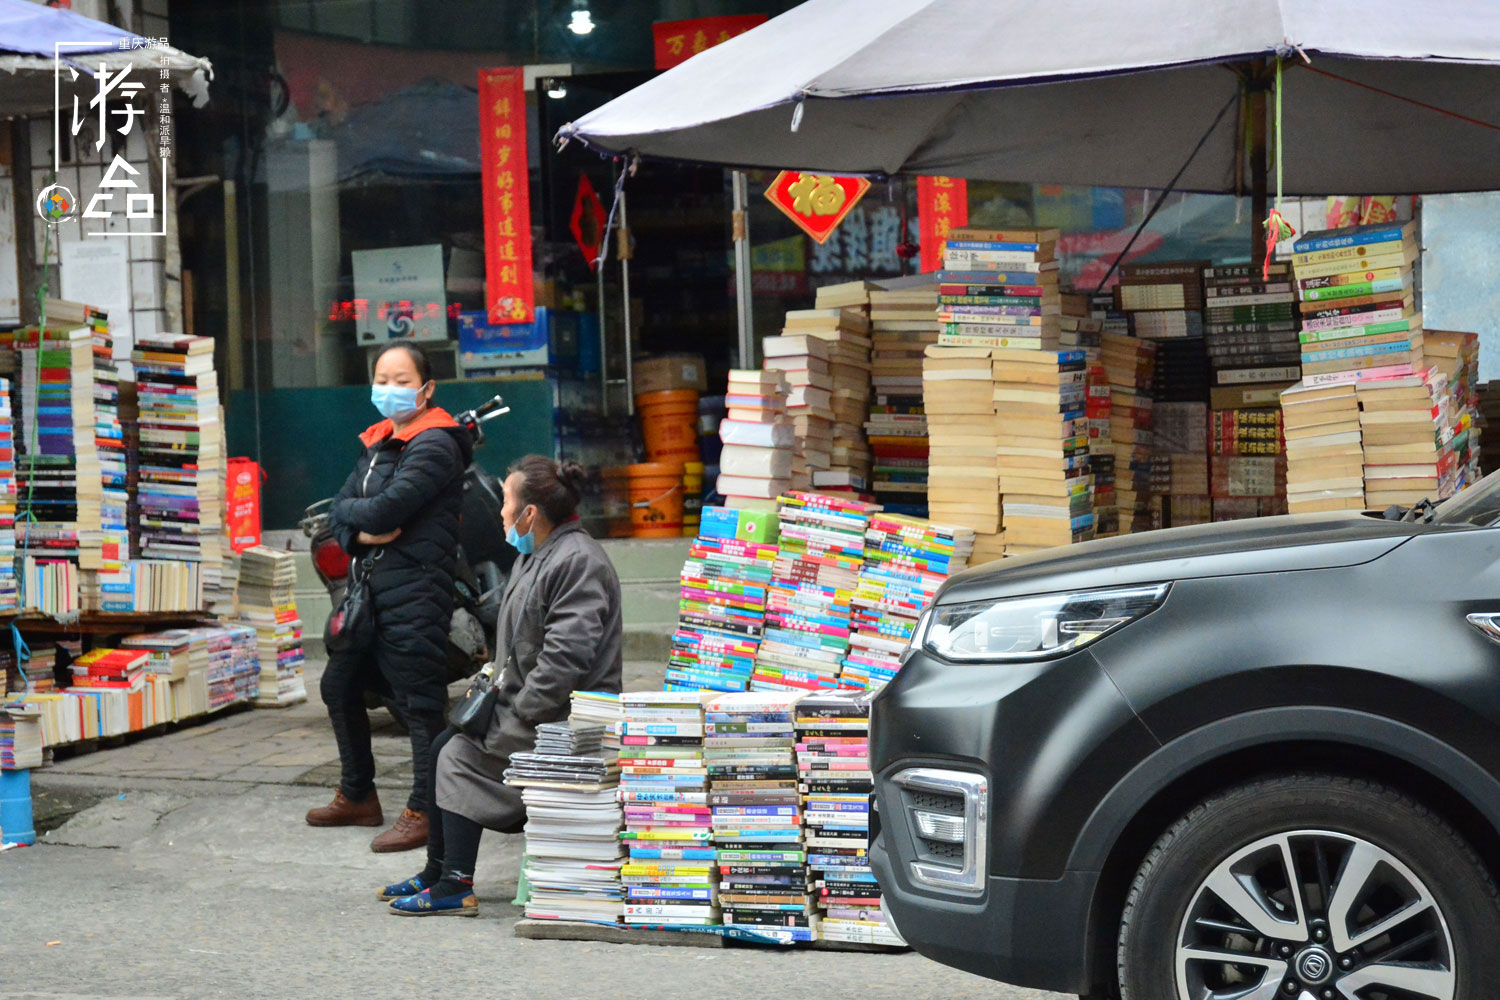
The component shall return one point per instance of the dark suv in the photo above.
(1238, 761)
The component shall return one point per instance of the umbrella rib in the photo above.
(1171, 185)
(1400, 97)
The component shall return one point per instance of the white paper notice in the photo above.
(96, 272)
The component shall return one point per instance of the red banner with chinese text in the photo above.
(509, 289)
(679, 41)
(942, 205)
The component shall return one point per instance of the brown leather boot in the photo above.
(344, 811)
(409, 833)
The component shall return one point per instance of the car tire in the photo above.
(1188, 933)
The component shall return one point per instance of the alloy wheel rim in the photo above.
(1314, 915)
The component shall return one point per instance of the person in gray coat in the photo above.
(560, 630)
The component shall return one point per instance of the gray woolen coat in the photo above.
(561, 618)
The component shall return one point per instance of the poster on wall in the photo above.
(403, 294)
(97, 273)
(510, 295)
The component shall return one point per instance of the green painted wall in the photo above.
(309, 437)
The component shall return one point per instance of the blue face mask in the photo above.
(395, 402)
(524, 544)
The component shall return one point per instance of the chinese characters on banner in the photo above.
(942, 205)
(509, 292)
(679, 41)
(817, 203)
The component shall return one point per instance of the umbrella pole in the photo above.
(1259, 82)
(742, 277)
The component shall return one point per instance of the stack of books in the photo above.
(1252, 326)
(849, 365)
(901, 328)
(1324, 458)
(1248, 464)
(1129, 364)
(268, 604)
(749, 746)
(1358, 303)
(1043, 453)
(1456, 355)
(221, 598)
(1413, 438)
(963, 477)
(602, 707)
(670, 879)
(1164, 300)
(21, 743)
(906, 561)
(833, 761)
(110, 442)
(168, 652)
(1179, 464)
(144, 586)
(182, 451)
(10, 594)
(802, 361)
(722, 610)
(569, 783)
(808, 609)
(999, 289)
(755, 466)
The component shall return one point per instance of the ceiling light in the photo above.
(557, 89)
(582, 22)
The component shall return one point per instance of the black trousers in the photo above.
(416, 683)
(452, 840)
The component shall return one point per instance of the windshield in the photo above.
(1478, 505)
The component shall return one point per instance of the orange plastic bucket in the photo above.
(616, 500)
(669, 424)
(655, 490)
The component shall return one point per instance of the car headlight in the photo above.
(1027, 628)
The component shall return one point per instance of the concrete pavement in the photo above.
(183, 869)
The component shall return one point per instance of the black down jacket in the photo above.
(412, 481)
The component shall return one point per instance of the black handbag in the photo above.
(473, 713)
(351, 627)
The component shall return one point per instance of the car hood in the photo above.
(1224, 548)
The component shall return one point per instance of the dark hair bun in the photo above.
(573, 476)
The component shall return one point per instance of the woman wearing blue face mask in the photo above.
(559, 631)
(397, 516)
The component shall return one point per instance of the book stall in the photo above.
(128, 609)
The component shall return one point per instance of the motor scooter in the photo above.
(484, 560)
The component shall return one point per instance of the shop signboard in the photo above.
(482, 344)
(510, 295)
(942, 205)
(678, 41)
(817, 203)
(402, 292)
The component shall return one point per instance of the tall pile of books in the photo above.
(59, 525)
(833, 762)
(802, 361)
(963, 485)
(268, 604)
(110, 442)
(1252, 326)
(722, 610)
(10, 595)
(758, 437)
(570, 785)
(906, 561)
(182, 451)
(749, 747)
(21, 743)
(901, 327)
(1043, 453)
(1129, 364)
(1180, 464)
(849, 366)
(1324, 458)
(1248, 464)
(808, 606)
(1414, 439)
(1456, 355)
(1082, 332)
(1000, 289)
(1164, 300)
(671, 877)
(1358, 303)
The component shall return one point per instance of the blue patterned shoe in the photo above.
(463, 904)
(401, 890)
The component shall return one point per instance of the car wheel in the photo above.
(1310, 887)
